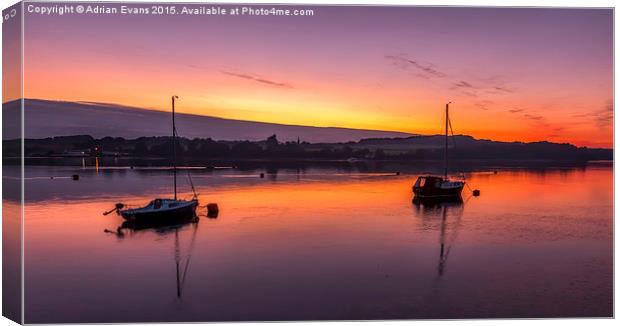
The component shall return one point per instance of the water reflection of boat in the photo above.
(430, 186)
(165, 209)
(434, 208)
(429, 205)
(162, 227)
(158, 225)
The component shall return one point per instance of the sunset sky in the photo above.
(512, 74)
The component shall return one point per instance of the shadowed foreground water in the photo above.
(320, 244)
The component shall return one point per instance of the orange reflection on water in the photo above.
(281, 244)
(347, 207)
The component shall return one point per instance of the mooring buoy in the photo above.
(476, 192)
(212, 210)
(76, 177)
(262, 175)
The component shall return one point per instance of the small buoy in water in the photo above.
(212, 210)
(51, 177)
(397, 173)
(494, 172)
(262, 175)
(131, 167)
(476, 192)
(76, 177)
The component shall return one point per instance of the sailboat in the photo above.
(439, 187)
(163, 209)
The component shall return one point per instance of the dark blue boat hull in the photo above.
(180, 213)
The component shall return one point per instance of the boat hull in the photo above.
(440, 193)
(182, 212)
(437, 202)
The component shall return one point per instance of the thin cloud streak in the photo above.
(463, 84)
(503, 89)
(533, 117)
(257, 79)
(425, 70)
(605, 116)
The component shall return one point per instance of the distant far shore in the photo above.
(463, 149)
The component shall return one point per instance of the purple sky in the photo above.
(513, 74)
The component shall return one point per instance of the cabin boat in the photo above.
(439, 187)
(164, 209)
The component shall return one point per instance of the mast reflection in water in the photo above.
(130, 228)
(448, 213)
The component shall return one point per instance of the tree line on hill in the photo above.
(411, 148)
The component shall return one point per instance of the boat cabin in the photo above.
(433, 186)
(163, 203)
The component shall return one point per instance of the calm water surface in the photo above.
(320, 244)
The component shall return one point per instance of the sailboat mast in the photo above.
(174, 150)
(446, 148)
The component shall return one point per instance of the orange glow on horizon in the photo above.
(348, 105)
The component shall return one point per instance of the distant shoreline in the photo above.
(306, 160)
(412, 150)
(387, 165)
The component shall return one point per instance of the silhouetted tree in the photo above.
(272, 142)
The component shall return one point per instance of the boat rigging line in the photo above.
(475, 192)
(191, 183)
(182, 274)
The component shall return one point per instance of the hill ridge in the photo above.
(48, 118)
